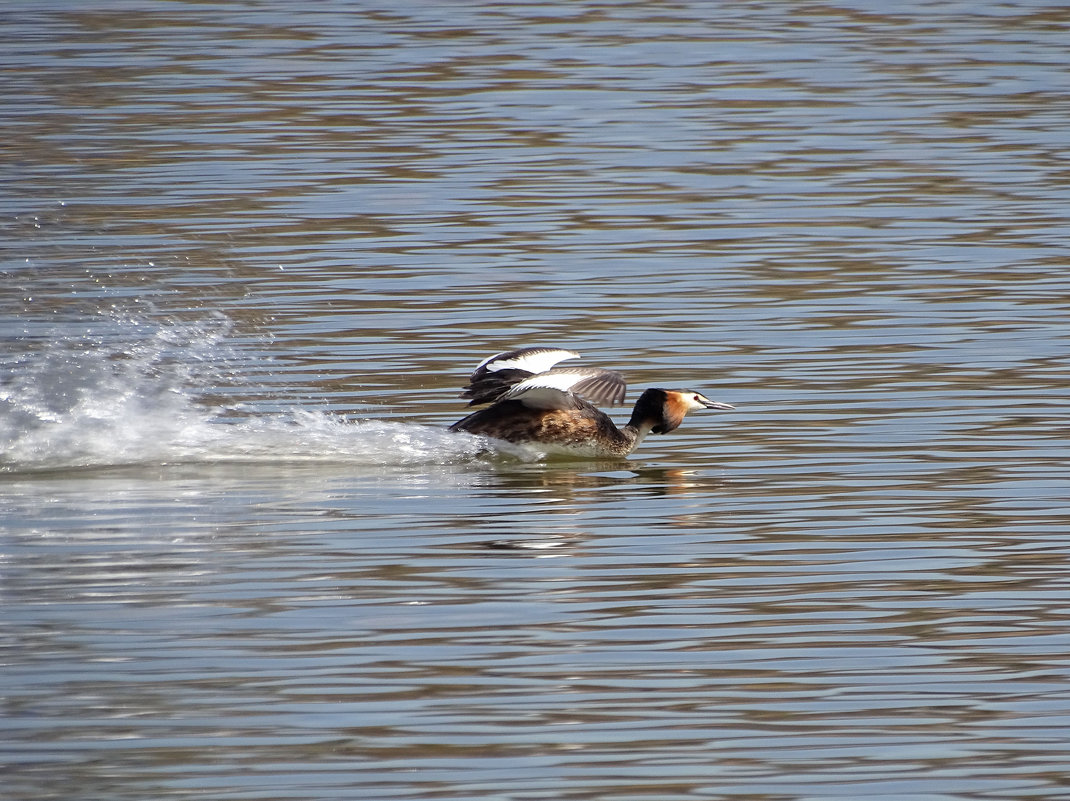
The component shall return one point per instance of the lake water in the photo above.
(252, 253)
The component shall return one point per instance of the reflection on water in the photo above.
(253, 254)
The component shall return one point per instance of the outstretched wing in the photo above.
(595, 384)
(557, 389)
(534, 360)
(495, 375)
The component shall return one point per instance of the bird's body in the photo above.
(551, 408)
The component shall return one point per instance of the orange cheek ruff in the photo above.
(676, 407)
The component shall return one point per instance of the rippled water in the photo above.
(251, 254)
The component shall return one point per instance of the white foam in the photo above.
(136, 395)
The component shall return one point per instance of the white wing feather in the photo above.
(557, 389)
(534, 360)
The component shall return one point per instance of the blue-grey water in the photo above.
(251, 252)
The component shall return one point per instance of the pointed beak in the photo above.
(716, 404)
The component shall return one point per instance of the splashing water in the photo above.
(135, 396)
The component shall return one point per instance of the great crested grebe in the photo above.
(534, 403)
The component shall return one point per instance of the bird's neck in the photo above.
(635, 432)
(646, 416)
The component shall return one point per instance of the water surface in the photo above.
(251, 254)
